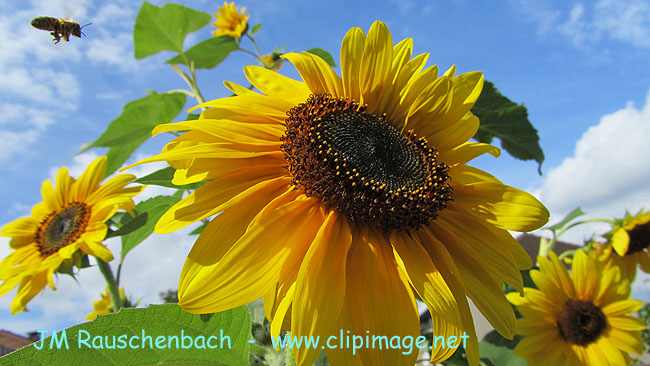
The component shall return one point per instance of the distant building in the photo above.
(530, 243)
(10, 342)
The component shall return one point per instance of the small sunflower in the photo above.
(630, 245)
(104, 305)
(343, 199)
(68, 223)
(230, 21)
(578, 319)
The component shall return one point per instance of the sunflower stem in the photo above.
(113, 286)
(288, 353)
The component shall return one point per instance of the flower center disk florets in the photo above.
(62, 227)
(639, 238)
(361, 166)
(581, 322)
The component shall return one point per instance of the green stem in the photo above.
(288, 353)
(259, 53)
(113, 285)
(545, 246)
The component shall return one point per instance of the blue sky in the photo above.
(581, 69)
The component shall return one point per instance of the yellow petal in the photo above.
(225, 229)
(208, 199)
(63, 184)
(466, 152)
(378, 302)
(320, 286)
(447, 268)
(432, 289)
(25, 226)
(99, 250)
(376, 64)
(582, 274)
(467, 88)
(253, 264)
(620, 241)
(318, 75)
(283, 308)
(623, 307)
(89, 180)
(456, 134)
(351, 53)
(396, 107)
(494, 253)
(504, 206)
(272, 83)
(28, 288)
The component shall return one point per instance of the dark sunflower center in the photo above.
(581, 322)
(62, 227)
(639, 238)
(359, 165)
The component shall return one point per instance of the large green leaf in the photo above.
(117, 155)
(128, 131)
(164, 29)
(163, 177)
(207, 54)
(160, 322)
(508, 121)
(152, 209)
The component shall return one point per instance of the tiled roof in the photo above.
(10, 342)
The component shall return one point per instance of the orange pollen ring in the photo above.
(61, 228)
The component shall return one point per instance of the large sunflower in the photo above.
(343, 199)
(629, 245)
(69, 222)
(580, 319)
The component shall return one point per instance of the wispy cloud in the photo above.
(585, 25)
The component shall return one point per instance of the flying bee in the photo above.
(60, 28)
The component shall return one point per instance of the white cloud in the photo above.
(21, 127)
(585, 25)
(608, 172)
(113, 49)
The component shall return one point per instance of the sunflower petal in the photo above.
(351, 51)
(208, 199)
(272, 83)
(321, 285)
(432, 289)
(375, 287)
(249, 269)
(504, 206)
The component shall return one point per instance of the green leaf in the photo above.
(164, 29)
(130, 226)
(499, 350)
(152, 209)
(139, 117)
(117, 155)
(577, 212)
(207, 54)
(508, 121)
(160, 322)
(128, 131)
(324, 55)
(163, 177)
(256, 28)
